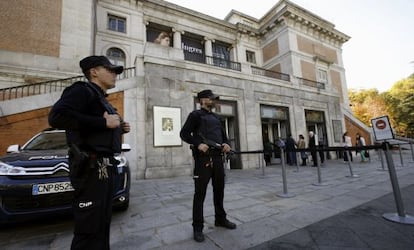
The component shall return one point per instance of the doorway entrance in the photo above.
(315, 121)
(275, 127)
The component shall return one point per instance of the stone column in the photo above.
(208, 46)
(177, 38)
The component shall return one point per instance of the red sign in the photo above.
(380, 124)
(382, 128)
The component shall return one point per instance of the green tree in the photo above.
(367, 104)
(400, 103)
(397, 104)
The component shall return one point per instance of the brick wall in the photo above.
(18, 128)
(308, 70)
(38, 27)
(270, 50)
(317, 49)
(354, 128)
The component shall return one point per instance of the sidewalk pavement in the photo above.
(333, 212)
(160, 215)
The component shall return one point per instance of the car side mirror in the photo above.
(125, 147)
(15, 148)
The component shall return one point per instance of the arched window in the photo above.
(116, 56)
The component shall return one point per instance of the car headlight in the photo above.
(122, 160)
(6, 169)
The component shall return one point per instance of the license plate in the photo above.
(50, 188)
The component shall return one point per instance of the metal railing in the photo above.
(50, 86)
(270, 73)
(311, 83)
(214, 61)
(222, 63)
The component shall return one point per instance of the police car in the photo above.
(34, 179)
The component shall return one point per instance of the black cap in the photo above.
(95, 61)
(207, 94)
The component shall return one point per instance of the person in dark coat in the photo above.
(290, 150)
(94, 132)
(203, 130)
(312, 147)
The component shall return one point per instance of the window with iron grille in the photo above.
(116, 56)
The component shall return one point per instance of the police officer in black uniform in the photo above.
(94, 133)
(203, 130)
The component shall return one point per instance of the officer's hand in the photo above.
(125, 127)
(112, 121)
(226, 147)
(203, 147)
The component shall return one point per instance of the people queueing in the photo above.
(347, 142)
(267, 151)
(312, 148)
(360, 142)
(302, 145)
(291, 150)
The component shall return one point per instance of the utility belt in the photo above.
(83, 162)
(210, 152)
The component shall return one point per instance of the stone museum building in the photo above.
(276, 75)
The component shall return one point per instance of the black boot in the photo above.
(198, 236)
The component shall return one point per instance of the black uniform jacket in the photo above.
(80, 112)
(200, 125)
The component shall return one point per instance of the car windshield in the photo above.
(46, 141)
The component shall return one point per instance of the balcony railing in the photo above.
(311, 83)
(270, 73)
(49, 86)
(215, 61)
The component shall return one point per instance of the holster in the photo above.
(78, 161)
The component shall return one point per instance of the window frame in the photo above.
(118, 20)
(121, 61)
(252, 57)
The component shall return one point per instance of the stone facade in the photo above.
(278, 75)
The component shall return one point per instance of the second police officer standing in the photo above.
(204, 131)
(93, 131)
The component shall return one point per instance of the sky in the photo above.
(381, 49)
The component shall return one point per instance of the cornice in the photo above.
(287, 14)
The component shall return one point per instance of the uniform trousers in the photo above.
(92, 205)
(208, 167)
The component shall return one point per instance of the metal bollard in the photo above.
(350, 165)
(261, 165)
(319, 183)
(285, 193)
(401, 217)
(382, 160)
(412, 152)
(401, 157)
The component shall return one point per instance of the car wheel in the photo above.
(122, 207)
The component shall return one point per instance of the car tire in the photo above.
(122, 207)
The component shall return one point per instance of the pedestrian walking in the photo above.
(347, 142)
(361, 143)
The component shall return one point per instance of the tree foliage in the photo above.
(397, 103)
